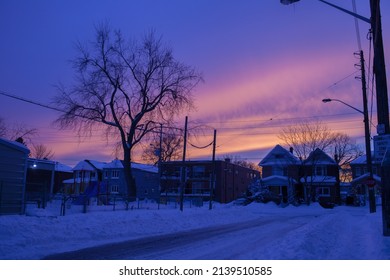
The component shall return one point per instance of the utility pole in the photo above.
(212, 186)
(379, 69)
(183, 168)
(159, 162)
(386, 194)
(382, 108)
(371, 191)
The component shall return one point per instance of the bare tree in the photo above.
(125, 89)
(171, 148)
(3, 128)
(242, 162)
(40, 151)
(16, 131)
(345, 151)
(306, 137)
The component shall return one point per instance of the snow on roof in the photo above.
(116, 163)
(144, 167)
(364, 177)
(84, 165)
(276, 180)
(62, 167)
(318, 156)
(320, 179)
(359, 160)
(14, 145)
(278, 156)
(97, 164)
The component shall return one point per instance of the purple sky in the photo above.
(261, 61)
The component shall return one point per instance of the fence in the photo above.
(62, 204)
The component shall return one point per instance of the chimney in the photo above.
(291, 150)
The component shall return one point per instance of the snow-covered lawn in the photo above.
(341, 233)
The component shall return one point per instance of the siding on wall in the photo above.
(13, 164)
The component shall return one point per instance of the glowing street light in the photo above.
(371, 193)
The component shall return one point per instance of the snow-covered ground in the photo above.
(348, 233)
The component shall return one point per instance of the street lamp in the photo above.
(379, 60)
(382, 101)
(371, 193)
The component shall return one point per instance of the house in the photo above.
(360, 175)
(315, 178)
(99, 179)
(45, 178)
(13, 170)
(321, 177)
(231, 180)
(146, 179)
(280, 174)
(86, 174)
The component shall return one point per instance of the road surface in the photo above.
(204, 243)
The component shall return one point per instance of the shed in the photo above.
(13, 169)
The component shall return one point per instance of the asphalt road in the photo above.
(218, 242)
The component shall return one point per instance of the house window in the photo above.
(106, 174)
(320, 170)
(358, 171)
(114, 189)
(199, 187)
(198, 171)
(279, 171)
(115, 174)
(323, 191)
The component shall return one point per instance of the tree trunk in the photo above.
(130, 182)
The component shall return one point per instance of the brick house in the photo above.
(360, 175)
(280, 173)
(321, 177)
(231, 180)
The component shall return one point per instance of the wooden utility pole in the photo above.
(371, 191)
(212, 185)
(183, 168)
(386, 194)
(379, 69)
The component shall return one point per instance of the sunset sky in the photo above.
(265, 65)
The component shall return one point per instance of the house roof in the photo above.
(144, 167)
(89, 165)
(364, 177)
(117, 164)
(362, 160)
(14, 145)
(359, 160)
(318, 156)
(279, 156)
(48, 165)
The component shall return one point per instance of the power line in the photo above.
(31, 102)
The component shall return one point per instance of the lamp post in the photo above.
(379, 60)
(371, 193)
